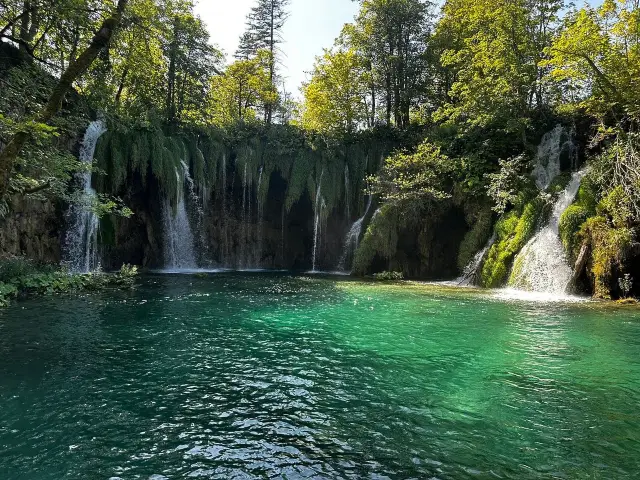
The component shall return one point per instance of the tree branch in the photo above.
(75, 69)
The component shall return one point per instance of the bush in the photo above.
(571, 222)
(22, 277)
(389, 276)
(608, 249)
(16, 267)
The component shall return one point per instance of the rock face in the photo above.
(33, 229)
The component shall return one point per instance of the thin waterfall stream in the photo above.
(353, 237)
(316, 224)
(82, 236)
(179, 250)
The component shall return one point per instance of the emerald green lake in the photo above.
(275, 376)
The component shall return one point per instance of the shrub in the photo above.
(389, 276)
(608, 248)
(571, 222)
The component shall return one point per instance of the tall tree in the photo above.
(235, 95)
(391, 38)
(264, 32)
(335, 97)
(494, 48)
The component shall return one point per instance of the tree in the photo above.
(264, 32)
(492, 50)
(390, 37)
(235, 95)
(597, 59)
(334, 98)
(75, 69)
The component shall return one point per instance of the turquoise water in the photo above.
(272, 376)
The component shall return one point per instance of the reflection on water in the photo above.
(263, 375)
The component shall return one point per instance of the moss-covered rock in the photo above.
(609, 245)
(571, 222)
(512, 231)
(476, 238)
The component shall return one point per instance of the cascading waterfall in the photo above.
(353, 237)
(549, 154)
(542, 265)
(82, 237)
(468, 276)
(195, 201)
(178, 238)
(316, 223)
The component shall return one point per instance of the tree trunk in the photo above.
(581, 263)
(77, 68)
(272, 67)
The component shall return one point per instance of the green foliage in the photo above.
(334, 98)
(389, 276)
(596, 59)
(477, 237)
(426, 173)
(570, 224)
(380, 239)
(506, 185)
(7, 292)
(512, 231)
(608, 249)
(20, 276)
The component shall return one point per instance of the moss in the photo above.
(476, 239)
(559, 183)
(380, 239)
(571, 222)
(609, 245)
(513, 231)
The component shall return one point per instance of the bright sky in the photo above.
(312, 26)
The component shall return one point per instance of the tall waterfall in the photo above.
(542, 265)
(316, 224)
(178, 238)
(82, 237)
(548, 158)
(353, 237)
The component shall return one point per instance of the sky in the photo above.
(312, 26)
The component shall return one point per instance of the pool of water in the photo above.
(274, 376)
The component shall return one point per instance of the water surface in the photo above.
(272, 376)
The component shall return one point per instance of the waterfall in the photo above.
(259, 227)
(468, 276)
(178, 237)
(542, 265)
(353, 237)
(226, 252)
(316, 223)
(244, 232)
(196, 202)
(347, 197)
(548, 157)
(82, 237)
